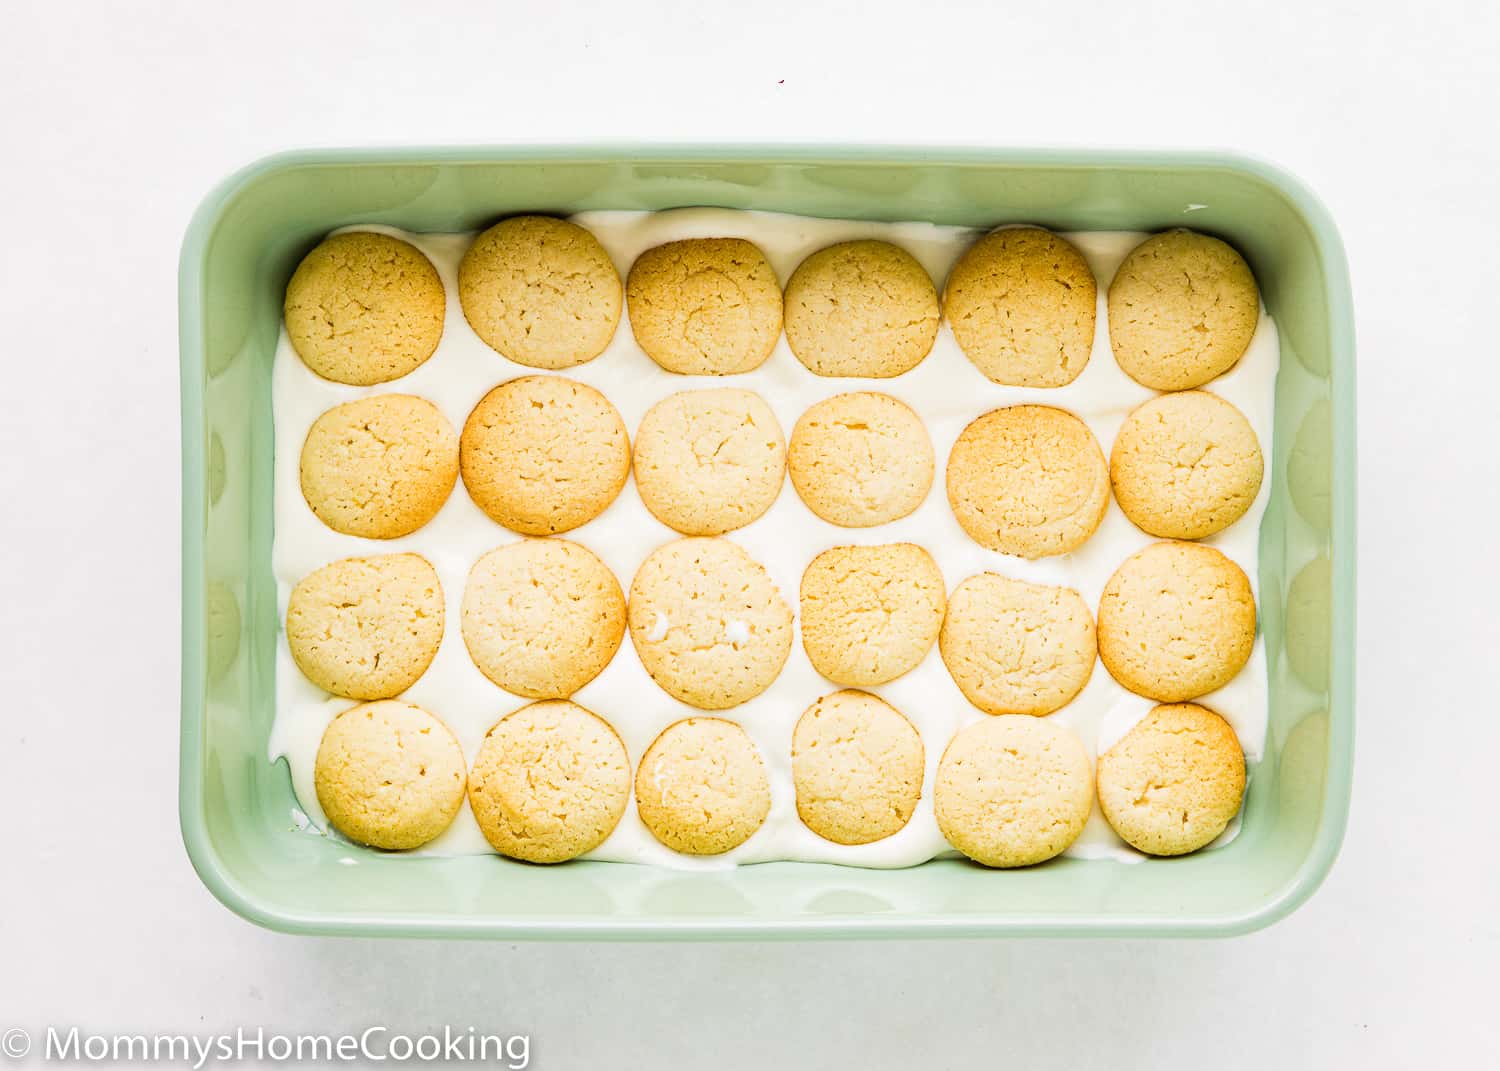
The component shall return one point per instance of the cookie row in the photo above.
(544, 454)
(543, 617)
(552, 781)
(365, 308)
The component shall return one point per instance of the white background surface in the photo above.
(114, 124)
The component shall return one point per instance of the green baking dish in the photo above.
(238, 812)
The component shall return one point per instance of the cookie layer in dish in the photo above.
(946, 391)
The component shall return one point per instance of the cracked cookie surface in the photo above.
(1013, 790)
(551, 781)
(1182, 310)
(709, 461)
(366, 628)
(380, 467)
(1022, 304)
(708, 623)
(863, 308)
(364, 308)
(870, 614)
(389, 774)
(1028, 480)
(1176, 621)
(543, 454)
(1014, 647)
(542, 617)
(856, 768)
(861, 459)
(702, 788)
(540, 291)
(705, 306)
(1185, 465)
(1173, 782)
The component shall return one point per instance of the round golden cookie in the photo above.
(379, 467)
(862, 308)
(1174, 781)
(550, 782)
(702, 788)
(705, 306)
(389, 775)
(857, 768)
(1013, 790)
(540, 291)
(1022, 303)
(1017, 648)
(709, 461)
(1028, 480)
(858, 460)
(366, 628)
(1185, 465)
(708, 623)
(1176, 621)
(870, 614)
(544, 454)
(1182, 310)
(542, 617)
(364, 308)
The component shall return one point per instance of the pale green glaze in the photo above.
(237, 809)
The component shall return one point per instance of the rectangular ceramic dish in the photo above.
(239, 816)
